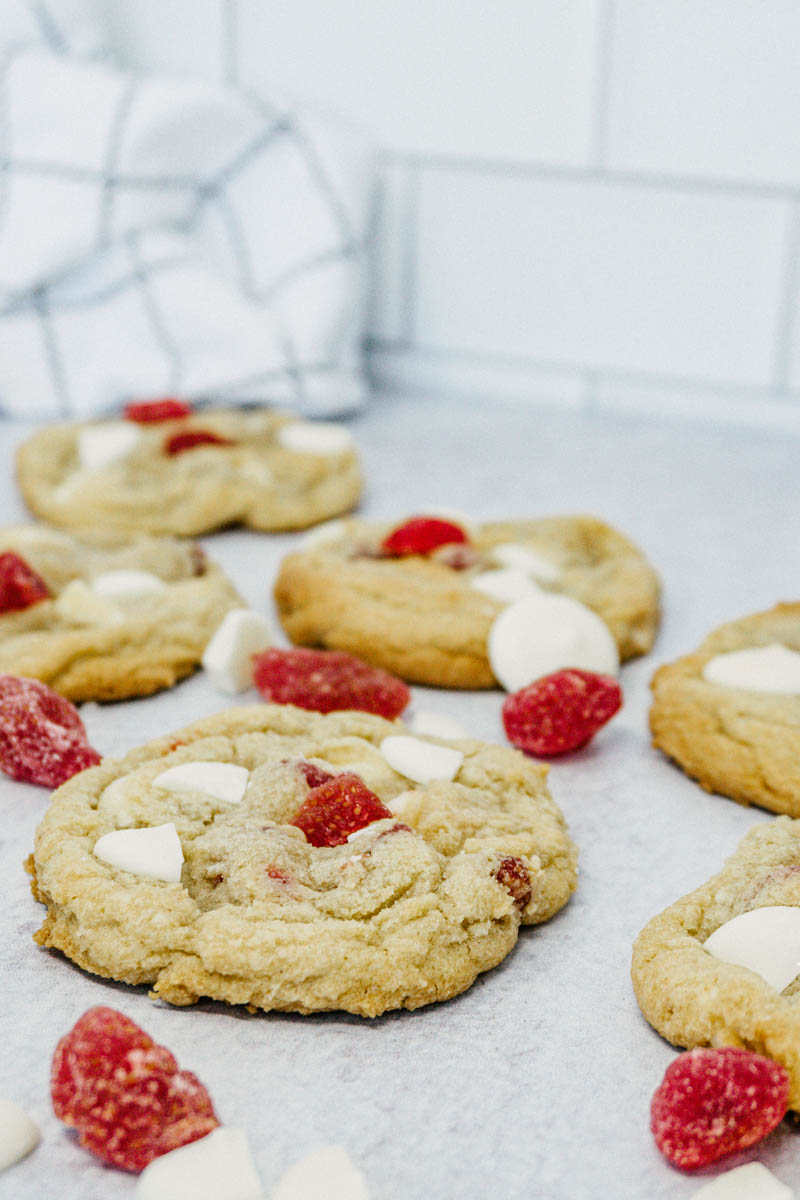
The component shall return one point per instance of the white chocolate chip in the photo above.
(317, 437)
(512, 554)
(228, 657)
(81, 605)
(102, 445)
(433, 724)
(123, 585)
(325, 1174)
(766, 940)
(772, 668)
(18, 1134)
(404, 805)
(751, 1182)
(547, 633)
(154, 852)
(220, 780)
(419, 760)
(328, 531)
(506, 584)
(218, 1166)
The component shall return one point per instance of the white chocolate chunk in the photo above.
(328, 531)
(751, 1182)
(38, 536)
(221, 780)
(419, 760)
(125, 585)
(766, 940)
(315, 437)
(18, 1134)
(154, 852)
(433, 724)
(325, 1174)
(772, 668)
(546, 633)
(506, 584)
(101, 445)
(405, 805)
(228, 657)
(81, 605)
(218, 1166)
(512, 554)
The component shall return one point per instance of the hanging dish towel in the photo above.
(165, 236)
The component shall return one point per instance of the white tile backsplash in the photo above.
(181, 37)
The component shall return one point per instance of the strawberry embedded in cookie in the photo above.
(560, 712)
(314, 776)
(327, 681)
(42, 737)
(714, 1102)
(515, 877)
(338, 808)
(20, 586)
(124, 1093)
(192, 438)
(421, 535)
(149, 412)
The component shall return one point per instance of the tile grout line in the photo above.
(787, 310)
(604, 51)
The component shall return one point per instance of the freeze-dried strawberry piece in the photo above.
(514, 875)
(314, 776)
(192, 438)
(560, 712)
(338, 808)
(42, 737)
(714, 1102)
(124, 1093)
(147, 412)
(420, 535)
(20, 586)
(328, 680)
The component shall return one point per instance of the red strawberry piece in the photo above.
(20, 586)
(338, 808)
(514, 875)
(124, 1093)
(420, 535)
(714, 1102)
(328, 680)
(560, 712)
(42, 737)
(314, 776)
(147, 412)
(192, 438)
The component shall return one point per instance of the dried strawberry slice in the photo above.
(421, 535)
(328, 680)
(338, 808)
(560, 712)
(42, 737)
(713, 1102)
(147, 412)
(314, 776)
(515, 876)
(20, 586)
(124, 1093)
(192, 438)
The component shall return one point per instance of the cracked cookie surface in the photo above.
(694, 999)
(255, 480)
(88, 648)
(742, 744)
(423, 619)
(409, 911)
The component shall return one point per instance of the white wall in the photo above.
(588, 201)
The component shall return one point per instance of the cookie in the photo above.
(260, 468)
(118, 622)
(428, 617)
(694, 997)
(729, 713)
(409, 910)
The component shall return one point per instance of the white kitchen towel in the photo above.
(165, 236)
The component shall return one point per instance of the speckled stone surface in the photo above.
(537, 1081)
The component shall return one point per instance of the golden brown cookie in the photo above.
(423, 617)
(269, 472)
(409, 910)
(740, 742)
(120, 621)
(696, 999)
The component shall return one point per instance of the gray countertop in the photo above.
(537, 1081)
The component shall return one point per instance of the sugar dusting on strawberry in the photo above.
(20, 586)
(421, 535)
(713, 1102)
(192, 438)
(149, 412)
(42, 737)
(124, 1093)
(560, 712)
(327, 681)
(338, 808)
